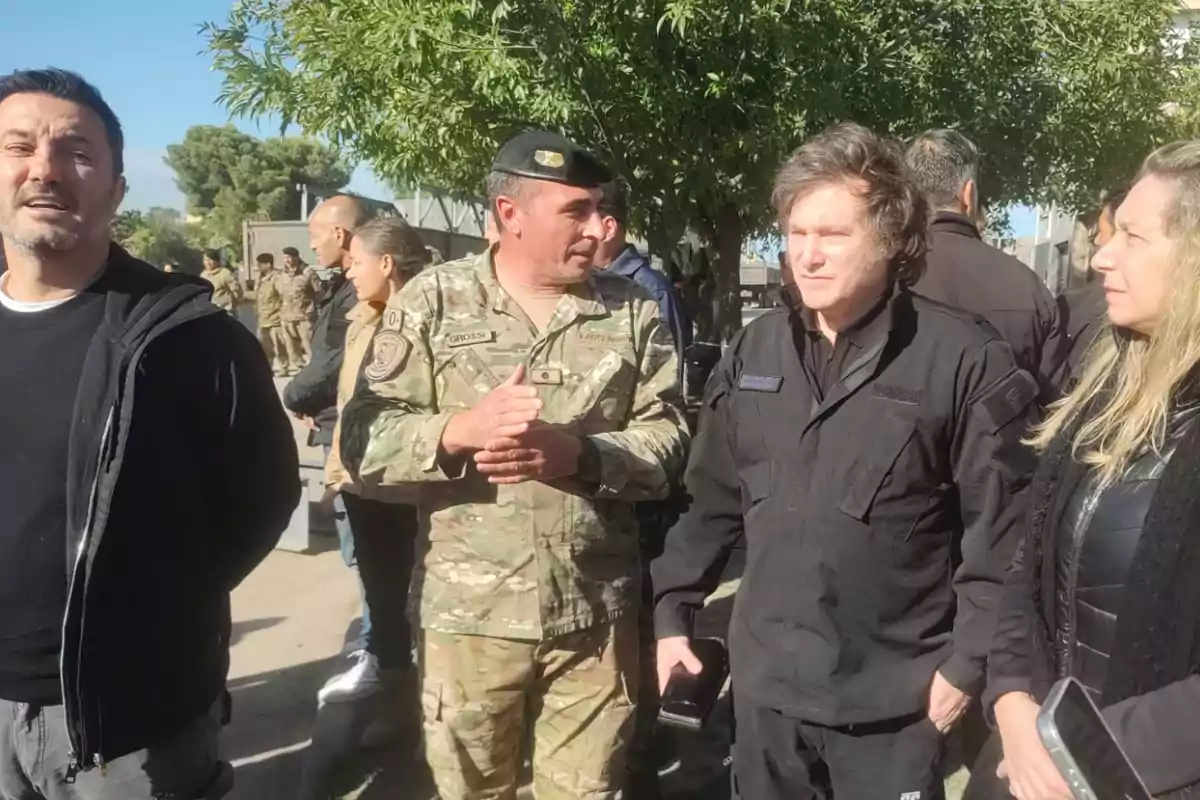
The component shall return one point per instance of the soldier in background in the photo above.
(300, 287)
(268, 305)
(227, 289)
(534, 398)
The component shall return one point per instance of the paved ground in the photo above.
(292, 618)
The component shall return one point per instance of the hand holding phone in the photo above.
(1084, 748)
(690, 695)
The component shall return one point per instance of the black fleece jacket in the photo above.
(182, 473)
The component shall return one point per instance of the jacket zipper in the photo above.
(73, 701)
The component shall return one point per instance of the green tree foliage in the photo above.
(160, 236)
(697, 102)
(228, 176)
(126, 224)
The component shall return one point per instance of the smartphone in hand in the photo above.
(1084, 748)
(689, 699)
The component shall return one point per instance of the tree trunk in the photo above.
(660, 244)
(727, 272)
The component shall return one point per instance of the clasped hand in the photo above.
(510, 443)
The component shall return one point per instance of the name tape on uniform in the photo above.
(602, 338)
(760, 383)
(463, 338)
(909, 397)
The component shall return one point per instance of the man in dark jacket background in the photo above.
(312, 396)
(147, 469)
(965, 272)
(617, 255)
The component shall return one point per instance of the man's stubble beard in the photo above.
(53, 240)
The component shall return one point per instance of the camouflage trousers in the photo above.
(275, 347)
(567, 703)
(297, 336)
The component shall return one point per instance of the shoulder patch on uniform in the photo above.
(388, 351)
(760, 383)
(1009, 398)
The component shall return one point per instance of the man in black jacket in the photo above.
(147, 468)
(312, 396)
(965, 272)
(867, 445)
(312, 393)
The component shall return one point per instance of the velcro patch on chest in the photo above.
(760, 383)
(898, 394)
(546, 376)
(464, 338)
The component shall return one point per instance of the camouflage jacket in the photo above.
(227, 289)
(530, 560)
(300, 292)
(364, 320)
(268, 301)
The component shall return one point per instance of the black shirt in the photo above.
(41, 360)
(825, 361)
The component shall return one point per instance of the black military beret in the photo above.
(546, 156)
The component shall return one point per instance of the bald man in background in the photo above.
(312, 397)
(312, 394)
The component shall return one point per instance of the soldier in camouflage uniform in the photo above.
(227, 289)
(532, 399)
(301, 287)
(268, 307)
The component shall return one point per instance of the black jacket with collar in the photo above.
(878, 523)
(1151, 692)
(182, 474)
(1085, 314)
(963, 271)
(313, 392)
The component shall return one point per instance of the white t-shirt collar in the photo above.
(24, 307)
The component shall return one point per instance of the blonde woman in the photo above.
(384, 254)
(1107, 586)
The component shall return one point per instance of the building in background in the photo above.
(760, 282)
(1050, 250)
(1189, 14)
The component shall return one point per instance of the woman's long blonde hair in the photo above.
(1130, 380)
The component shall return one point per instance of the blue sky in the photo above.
(146, 57)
